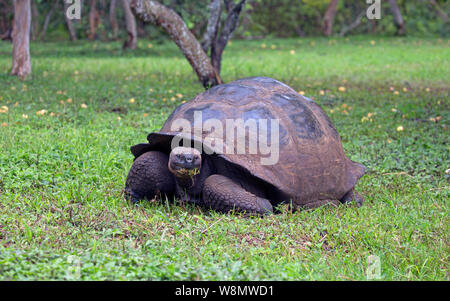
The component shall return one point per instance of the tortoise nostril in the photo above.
(188, 158)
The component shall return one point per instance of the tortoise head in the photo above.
(185, 162)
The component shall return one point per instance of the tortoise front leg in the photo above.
(352, 196)
(222, 194)
(149, 176)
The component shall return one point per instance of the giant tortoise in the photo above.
(213, 169)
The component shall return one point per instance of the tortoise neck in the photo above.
(185, 182)
(194, 185)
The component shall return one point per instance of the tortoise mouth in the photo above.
(183, 169)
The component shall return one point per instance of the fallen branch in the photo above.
(353, 25)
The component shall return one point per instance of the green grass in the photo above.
(62, 173)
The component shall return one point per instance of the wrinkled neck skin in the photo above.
(190, 189)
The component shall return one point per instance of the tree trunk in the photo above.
(213, 25)
(21, 64)
(34, 21)
(69, 24)
(47, 19)
(228, 5)
(328, 19)
(141, 30)
(171, 22)
(94, 20)
(227, 31)
(398, 19)
(113, 19)
(130, 21)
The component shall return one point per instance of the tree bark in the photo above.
(94, 20)
(328, 19)
(21, 63)
(130, 21)
(228, 5)
(227, 31)
(113, 19)
(398, 19)
(171, 22)
(69, 24)
(213, 25)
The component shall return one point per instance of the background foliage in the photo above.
(261, 18)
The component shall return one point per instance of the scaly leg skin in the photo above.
(222, 194)
(352, 196)
(316, 204)
(149, 176)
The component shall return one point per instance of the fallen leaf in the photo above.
(41, 112)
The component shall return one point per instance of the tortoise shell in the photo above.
(311, 164)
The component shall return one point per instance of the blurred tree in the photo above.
(21, 62)
(69, 24)
(328, 19)
(48, 16)
(34, 20)
(113, 19)
(286, 18)
(6, 19)
(94, 20)
(130, 22)
(398, 19)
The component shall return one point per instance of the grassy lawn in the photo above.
(65, 155)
